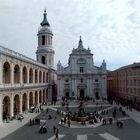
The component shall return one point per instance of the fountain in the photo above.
(79, 116)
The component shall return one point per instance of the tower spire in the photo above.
(80, 43)
(45, 21)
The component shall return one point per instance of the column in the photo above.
(1, 73)
(27, 100)
(11, 106)
(1, 111)
(42, 96)
(12, 74)
(42, 76)
(20, 103)
(38, 98)
(21, 75)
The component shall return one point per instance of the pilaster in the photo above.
(1, 111)
(11, 106)
(27, 100)
(20, 103)
(21, 75)
(1, 73)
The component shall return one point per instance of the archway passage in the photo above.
(24, 75)
(40, 77)
(97, 95)
(6, 107)
(30, 100)
(16, 105)
(40, 97)
(16, 74)
(31, 75)
(24, 102)
(82, 94)
(44, 96)
(36, 76)
(6, 73)
(36, 98)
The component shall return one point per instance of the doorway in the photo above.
(82, 94)
(97, 95)
(67, 95)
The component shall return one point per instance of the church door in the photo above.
(82, 94)
(97, 95)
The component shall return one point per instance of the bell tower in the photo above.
(45, 52)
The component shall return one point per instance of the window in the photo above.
(43, 59)
(96, 80)
(67, 80)
(82, 80)
(43, 40)
(81, 69)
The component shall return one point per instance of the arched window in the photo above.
(43, 59)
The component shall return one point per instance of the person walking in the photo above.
(54, 129)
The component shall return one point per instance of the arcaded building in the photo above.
(81, 78)
(24, 82)
(124, 83)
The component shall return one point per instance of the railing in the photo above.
(4, 87)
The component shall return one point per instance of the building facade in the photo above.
(81, 78)
(124, 83)
(24, 82)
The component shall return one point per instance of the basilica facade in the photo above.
(26, 83)
(81, 78)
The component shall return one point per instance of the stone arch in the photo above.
(36, 76)
(16, 74)
(40, 76)
(40, 97)
(24, 102)
(30, 99)
(36, 98)
(6, 72)
(24, 71)
(16, 104)
(6, 107)
(31, 75)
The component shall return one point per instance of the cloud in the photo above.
(109, 28)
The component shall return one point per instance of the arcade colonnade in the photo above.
(20, 102)
(24, 83)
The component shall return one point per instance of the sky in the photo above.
(110, 28)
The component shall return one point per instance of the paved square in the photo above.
(76, 131)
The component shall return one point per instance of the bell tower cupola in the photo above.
(45, 52)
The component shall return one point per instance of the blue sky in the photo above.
(110, 28)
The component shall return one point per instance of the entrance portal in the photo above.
(67, 95)
(82, 94)
(97, 95)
